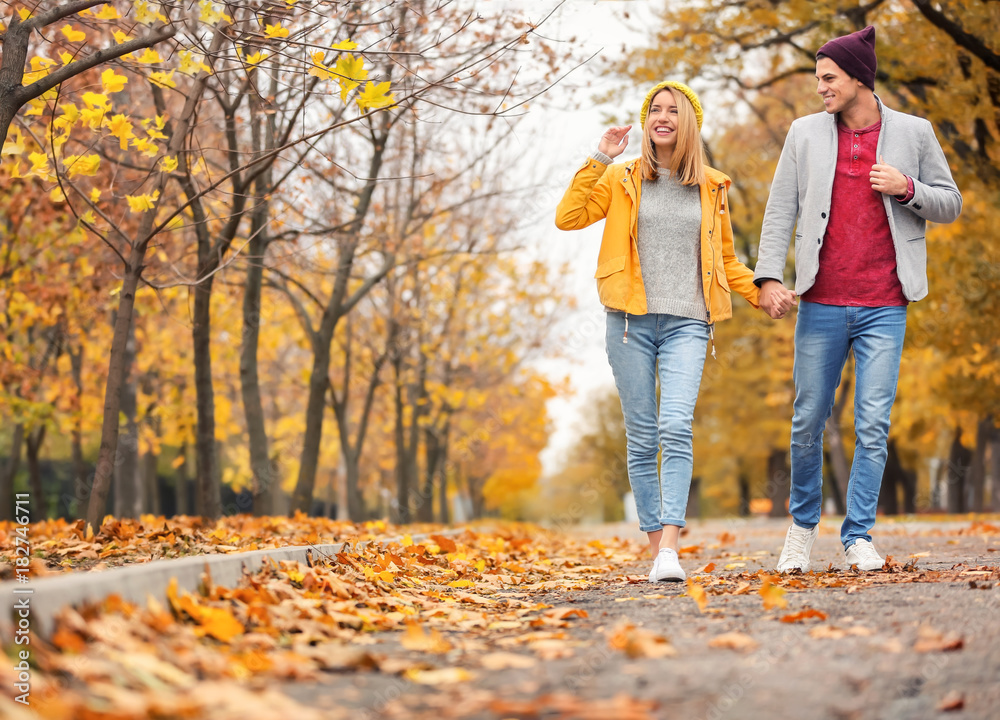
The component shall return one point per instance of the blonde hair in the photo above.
(687, 163)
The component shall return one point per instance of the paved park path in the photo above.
(920, 642)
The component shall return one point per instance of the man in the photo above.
(856, 185)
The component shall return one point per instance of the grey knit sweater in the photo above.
(669, 240)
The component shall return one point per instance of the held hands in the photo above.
(887, 180)
(776, 299)
(614, 141)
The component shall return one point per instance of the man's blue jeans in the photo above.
(823, 336)
(672, 348)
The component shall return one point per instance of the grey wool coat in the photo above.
(801, 191)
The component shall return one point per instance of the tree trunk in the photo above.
(778, 483)
(977, 471)
(432, 460)
(888, 498)
(402, 456)
(150, 481)
(265, 474)
(79, 464)
(319, 381)
(958, 467)
(181, 483)
(116, 373)
(744, 483)
(444, 514)
(338, 304)
(208, 500)
(128, 499)
(352, 475)
(995, 469)
(33, 445)
(9, 473)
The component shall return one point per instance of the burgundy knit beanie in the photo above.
(855, 54)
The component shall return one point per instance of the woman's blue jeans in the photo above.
(672, 349)
(824, 334)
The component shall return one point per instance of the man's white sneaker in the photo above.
(798, 544)
(863, 554)
(667, 566)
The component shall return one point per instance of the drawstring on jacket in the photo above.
(711, 335)
(625, 336)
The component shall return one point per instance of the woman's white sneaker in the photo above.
(667, 567)
(652, 572)
(863, 554)
(798, 544)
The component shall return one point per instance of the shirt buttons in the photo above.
(819, 241)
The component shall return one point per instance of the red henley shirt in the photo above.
(857, 263)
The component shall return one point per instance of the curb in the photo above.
(42, 599)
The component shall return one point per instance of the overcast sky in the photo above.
(556, 140)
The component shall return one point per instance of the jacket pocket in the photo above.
(609, 267)
(722, 280)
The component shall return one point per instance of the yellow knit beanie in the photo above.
(677, 86)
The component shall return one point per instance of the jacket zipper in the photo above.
(711, 235)
(625, 180)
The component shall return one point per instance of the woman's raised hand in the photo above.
(614, 141)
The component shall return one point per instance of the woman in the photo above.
(664, 274)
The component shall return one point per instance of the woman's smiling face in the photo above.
(661, 123)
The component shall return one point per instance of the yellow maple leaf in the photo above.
(14, 145)
(168, 164)
(352, 73)
(211, 13)
(142, 203)
(39, 69)
(120, 37)
(95, 195)
(319, 69)
(121, 128)
(374, 96)
(191, 63)
(25, 13)
(57, 195)
(107, 12)
(70, 114)
(87, 165)
(35, 107)
(256, 58)
(275, 31)
(66, 58)
(149, 56)
(73, 35)
(146, 147)
(147, 13)
(88, 217)
(93, 117)
(163, 79)
(96, 100)
(345, 45)
(39, 165)
(112, 82)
